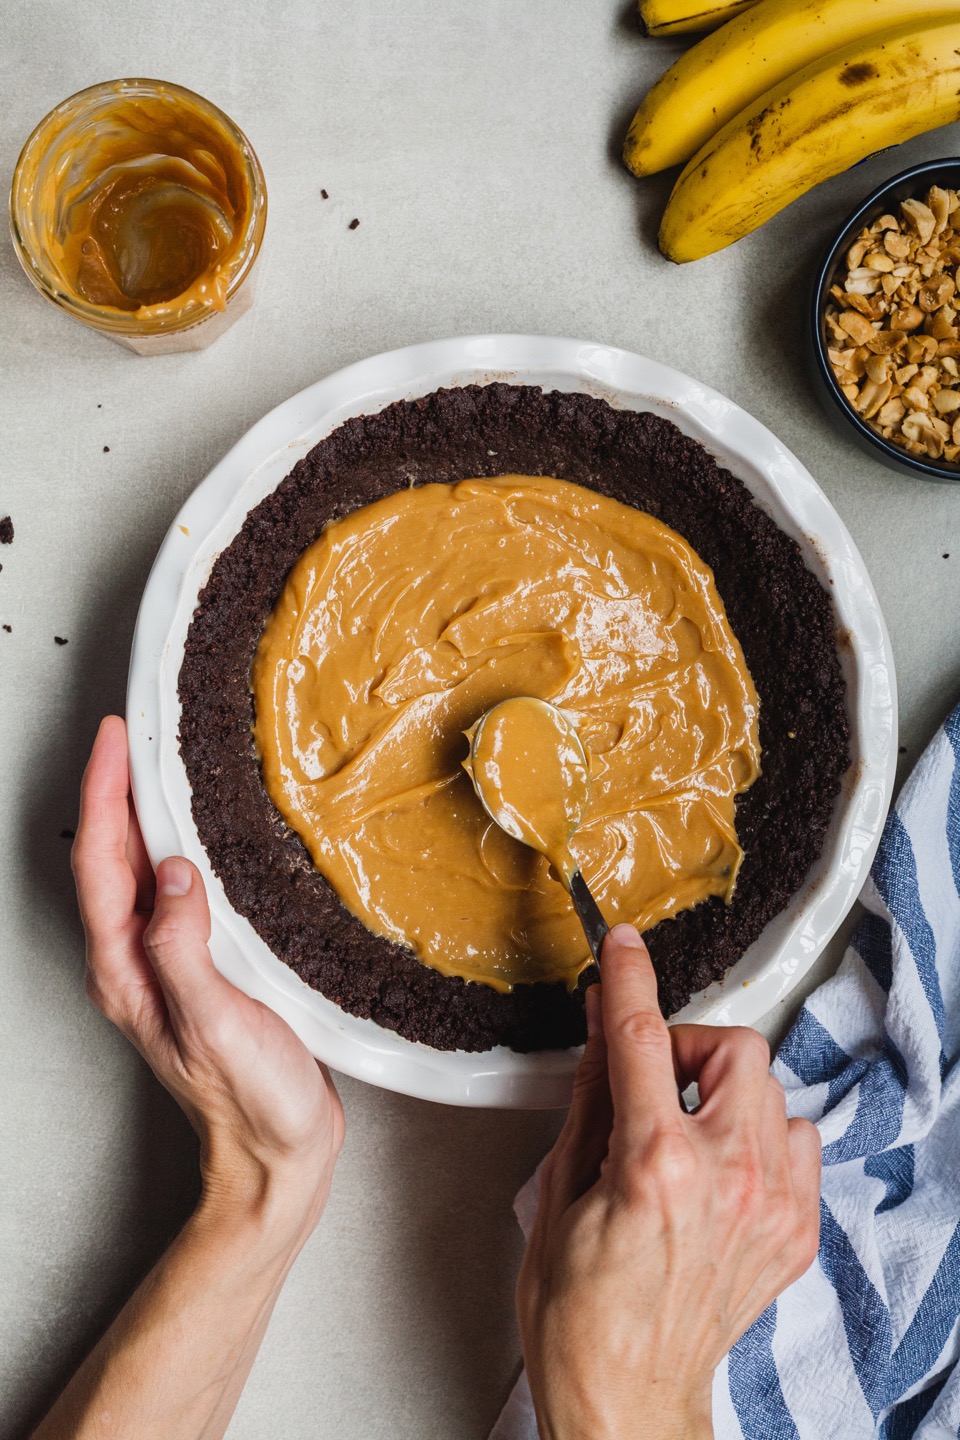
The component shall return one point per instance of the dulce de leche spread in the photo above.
(407, 620)
(532, 776)
(142, 206)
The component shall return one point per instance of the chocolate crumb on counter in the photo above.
(324, 195)
(106, 449)
(59, 640)
(903, 750)
(68, 834)
(6, 531)
(353, 224)
(9, 629)
(946, 554)
(779, 611)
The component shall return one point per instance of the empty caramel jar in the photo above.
(139, 208)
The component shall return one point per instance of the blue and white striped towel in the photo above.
(866, 1343)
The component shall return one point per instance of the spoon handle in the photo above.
(594, 925)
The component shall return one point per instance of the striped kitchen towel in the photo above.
(866, 1343)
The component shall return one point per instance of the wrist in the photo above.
(642, 1415)
(688, 1422)
(275, 1204)
(682, 1413)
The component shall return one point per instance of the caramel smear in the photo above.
(145, 209)
(532, 776)
(407, 620)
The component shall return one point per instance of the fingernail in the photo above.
(594, 1010)
(174, 877)
(628, 936)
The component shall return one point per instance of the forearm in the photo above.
(173, 1364)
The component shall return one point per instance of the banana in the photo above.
(680, 17)
(862, 98)
(722, 74)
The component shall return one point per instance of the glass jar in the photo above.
(139, 208)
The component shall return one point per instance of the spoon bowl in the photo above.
(531, 775)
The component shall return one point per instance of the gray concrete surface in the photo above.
(477, 144)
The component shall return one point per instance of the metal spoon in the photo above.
(520, 826)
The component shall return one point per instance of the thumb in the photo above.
(175, 941)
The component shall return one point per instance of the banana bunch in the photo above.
(784, 95)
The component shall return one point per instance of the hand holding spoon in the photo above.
(529, 769)
(530, 772)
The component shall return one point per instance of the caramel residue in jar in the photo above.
(532, 776)
(147, 208)
(407, 620)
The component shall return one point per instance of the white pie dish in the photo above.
(213, 515)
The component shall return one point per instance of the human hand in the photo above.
(660, 1236)
(269, 1119)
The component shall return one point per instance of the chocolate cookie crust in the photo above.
(779, 611)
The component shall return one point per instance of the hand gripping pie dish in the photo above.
(432, 554)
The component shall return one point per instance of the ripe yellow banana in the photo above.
(681, 17)
(722, 74)
(867, 96)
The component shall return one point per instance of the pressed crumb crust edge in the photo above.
(779, 611)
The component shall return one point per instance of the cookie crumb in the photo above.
(946, 554)
(9, 629)
(59, 640)
(324, 195)
(903, 749)
(106, 449)
(68, 834)
(6, 531)
(353, 224)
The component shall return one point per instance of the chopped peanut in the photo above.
(920, 217)
(945, 402)
(856, 326)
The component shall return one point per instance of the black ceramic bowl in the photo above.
(914, 182)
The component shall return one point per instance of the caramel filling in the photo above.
(531, 773)
(407, 620)
(144, 209)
